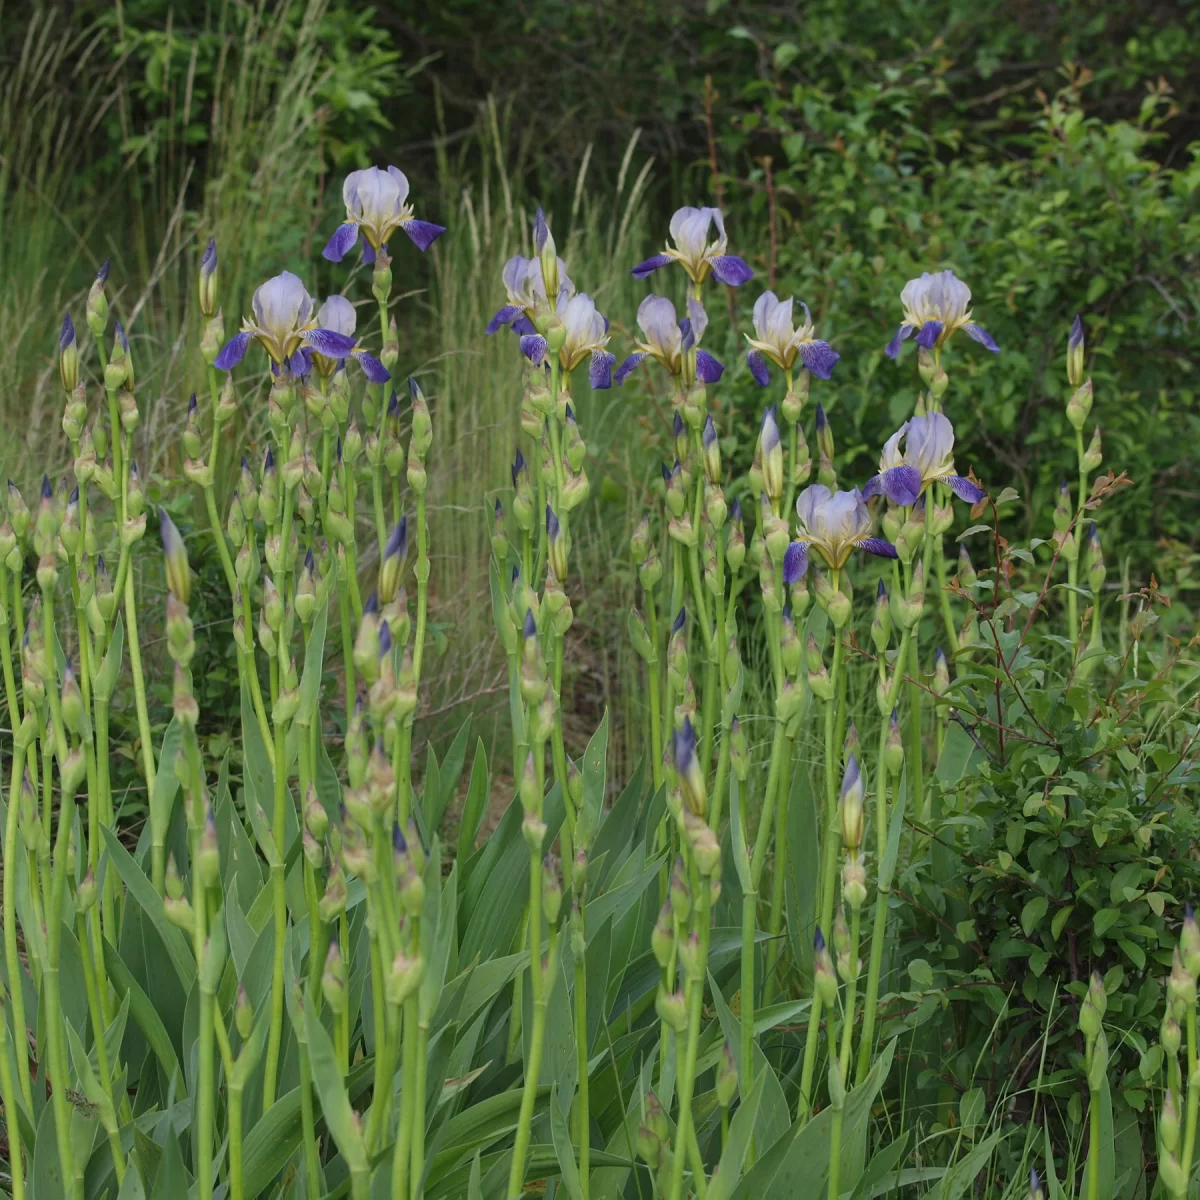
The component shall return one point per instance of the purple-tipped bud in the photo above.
(529, 629)
(691, 776)
(851, 801)
(1075, 353)
(47, 489)
(208, 278)
(680, 621)
(66, 336)
(394, 552)
(106, 266)
(541, 230)
(941, 673)
(385, 639)
(771, 456)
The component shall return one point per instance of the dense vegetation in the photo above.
(1029, 829)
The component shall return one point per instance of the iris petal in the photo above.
(373, 369)
(600, 371)
(892, 349)
(505, 316)
(423, 234)
(877, 546)
(731, 270)
(708, 369)
(819, 357)
(650, 265)
(978, 334)
(964, 489)
(758, 368)
(901, 485)
(533, 346)
(329, 343)
(342, 242)
(232, 352)
(929, 334)
(795, 562)
(628, 367)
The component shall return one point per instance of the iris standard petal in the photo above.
(628, 367)
(600, 372)
(422, 234)
(650, 265)
(373, 369)
(505, 316)
(964, 489)
(232, 352)
(708, 369)
(758, 368)
(731, 270)
(819, 357)
(977, 333)
(337, 313)
(928, 334)
(342, 242)
(892, 349)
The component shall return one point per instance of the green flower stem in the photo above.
(252, 679)
(11, 958)
(843, 1063)
(308, 1124)
(778, 874)
(1073, 562)
(8, 1095)
(402, 1158)
(421, 570)
(1093, 1192)
(157, 849)
(583, 1129)
(687, 1080)
(533, 1068)
(654, 686)
(110, 892)
(749, 906)
(278, 833)
(1193, 1111)
(828, 871)
(59, 1075)
(237, 1189)
(98, 1027)
(420, 1085)
(883, 887)
(944, 598)
(352, 547)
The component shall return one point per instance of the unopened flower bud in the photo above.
(1093, 456)
(1079, 406)
(824, 980)
(333, 980)
(851, 805)
(552, 891)
(678, 893)
(671, 1008)
(739, 752)
(333, 900)
(208, 278)
(662, 937)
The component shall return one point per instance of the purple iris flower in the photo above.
(668, 340)
(778, 341)
(283, 323)
(934, 307)
(337, 314)
(695, 253)
(837, 523)
(927, 457)
(376, 206)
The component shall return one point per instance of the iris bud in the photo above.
(1091, 1011)
(676, 497)
(771, 456)
(727, 1077)
(893, 754)
(1079, 406)
(702, 842)
(678, 893)
(824, 981)
(662, 937)
(333, 900)
(1171, 1036)
(790, 647)
(739, 753)
(881, 625)
(533, 829)
(941, 673)
(851, 805)
(650, 572)
(552, 892)
(1093, 456)
(910, 607)
(405, 977)
(1189, 943)
(1095, 562)
(671, 1008)
(819, 682)
(208, 853)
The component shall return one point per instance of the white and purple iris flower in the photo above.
(934, 307)
(376, 206)
(284, 324)
(927, 457)
(776, 339)
(695, 253)
(527, 299)
(337, 314)
(586, 334)
(835, 524)
(668, 340)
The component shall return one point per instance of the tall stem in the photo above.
(279, 893)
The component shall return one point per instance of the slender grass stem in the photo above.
(278, 833)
